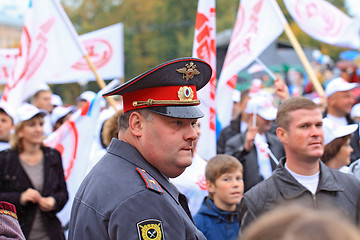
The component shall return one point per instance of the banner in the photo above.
(104, 46)
(74, 140)
(257, 25)
(205, 48)
(7, 62)
(49, 44)
(325, 22)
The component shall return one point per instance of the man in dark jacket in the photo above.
(237, 125)
(128, 195)
(301, 176)
(258, 149)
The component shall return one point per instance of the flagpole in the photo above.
(297, 47)
(74, 34)
(266, 69)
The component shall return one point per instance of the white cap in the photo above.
(236, 95)
(338, 85)
(8, 110)
(262, 106)
(355, 110)
(28, 111)
(255, 88)
(43, 87)
(60, 112)
(56, 100)
(331, 132)
(87, 96)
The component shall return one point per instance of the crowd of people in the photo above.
(284, 167)
(31, 174)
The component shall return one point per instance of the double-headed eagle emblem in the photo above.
(189, 71)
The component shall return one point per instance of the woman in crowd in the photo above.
(32, 178)
(337, 149)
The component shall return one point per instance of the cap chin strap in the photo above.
(151, 102)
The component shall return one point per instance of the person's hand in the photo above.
(281, 90)
(30, 195)
(250, 136)
(46, 204)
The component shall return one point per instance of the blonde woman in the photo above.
(32, 178)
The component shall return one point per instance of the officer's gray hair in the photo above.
(124, 118)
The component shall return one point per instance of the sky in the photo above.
(354, 7)
(16, 7)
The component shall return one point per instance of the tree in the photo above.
(159, 30)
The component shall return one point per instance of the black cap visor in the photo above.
(191, 112)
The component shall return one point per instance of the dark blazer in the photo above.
(235, 147)
(228, 132)
(14, 181)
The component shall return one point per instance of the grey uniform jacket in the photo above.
(124, 197)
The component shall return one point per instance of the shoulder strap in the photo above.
(150, 182)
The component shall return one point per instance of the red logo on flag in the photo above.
(100, 52)
(30, 63)
(201, 182)
(308, 11)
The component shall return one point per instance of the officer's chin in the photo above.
(176, 173)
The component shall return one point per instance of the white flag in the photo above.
(7, 62)
(205, 48)
(48, 45)
(73, 140)
(105, 49)
(325, 22)
(257, 25)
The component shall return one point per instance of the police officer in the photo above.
(127, 195)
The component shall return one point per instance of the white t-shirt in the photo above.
(310, 182)
(4, 146)
(262, 149)
(243, 126)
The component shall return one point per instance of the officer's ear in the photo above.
(136, 124)
(282, 134)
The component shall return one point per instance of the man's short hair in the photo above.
(283, 114)
(124, 118)
(221, 164)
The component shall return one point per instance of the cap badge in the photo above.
(185, 94)
(189, 71)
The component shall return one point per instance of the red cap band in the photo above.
(177, 94)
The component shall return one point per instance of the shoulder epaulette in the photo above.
(151, 183)
(8, 209)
